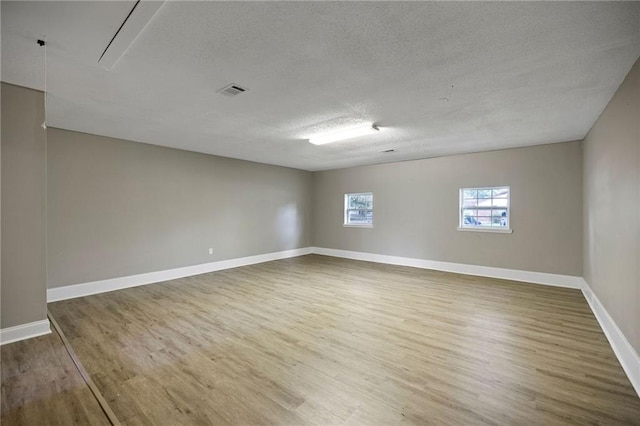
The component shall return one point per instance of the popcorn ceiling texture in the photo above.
(438, 78)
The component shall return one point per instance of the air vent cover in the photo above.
(232, 90)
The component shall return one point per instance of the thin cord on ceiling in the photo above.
(42, 42)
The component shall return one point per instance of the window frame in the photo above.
(346, 209)
(483, 228)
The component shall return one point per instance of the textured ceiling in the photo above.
(438, 78)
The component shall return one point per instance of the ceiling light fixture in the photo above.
(353, 132)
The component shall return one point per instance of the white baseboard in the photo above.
(24, 331)
(627, 355)
(94, 287)
(459, 268)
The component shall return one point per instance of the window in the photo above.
(358, 209)
(485, 209)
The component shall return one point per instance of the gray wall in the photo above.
(416, 209)
(117, 208)
(23, 289)
(612, 207)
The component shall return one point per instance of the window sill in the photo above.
(495, 231)
(352, 225)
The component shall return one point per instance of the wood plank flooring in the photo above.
(41, 386)
(321, 340)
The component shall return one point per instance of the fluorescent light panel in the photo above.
(353, 132)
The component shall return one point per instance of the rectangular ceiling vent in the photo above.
(232, 90)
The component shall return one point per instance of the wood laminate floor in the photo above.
(321, 340)
(41, 386)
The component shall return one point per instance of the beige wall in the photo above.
(416, 209)
(118, 208)
(23, 290)
(612, 207)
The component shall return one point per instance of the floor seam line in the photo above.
(104, 405)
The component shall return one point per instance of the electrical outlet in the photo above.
(210, 251)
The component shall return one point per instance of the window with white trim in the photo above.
(358, 209)
(485, 209)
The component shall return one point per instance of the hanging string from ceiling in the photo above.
(42, 42)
